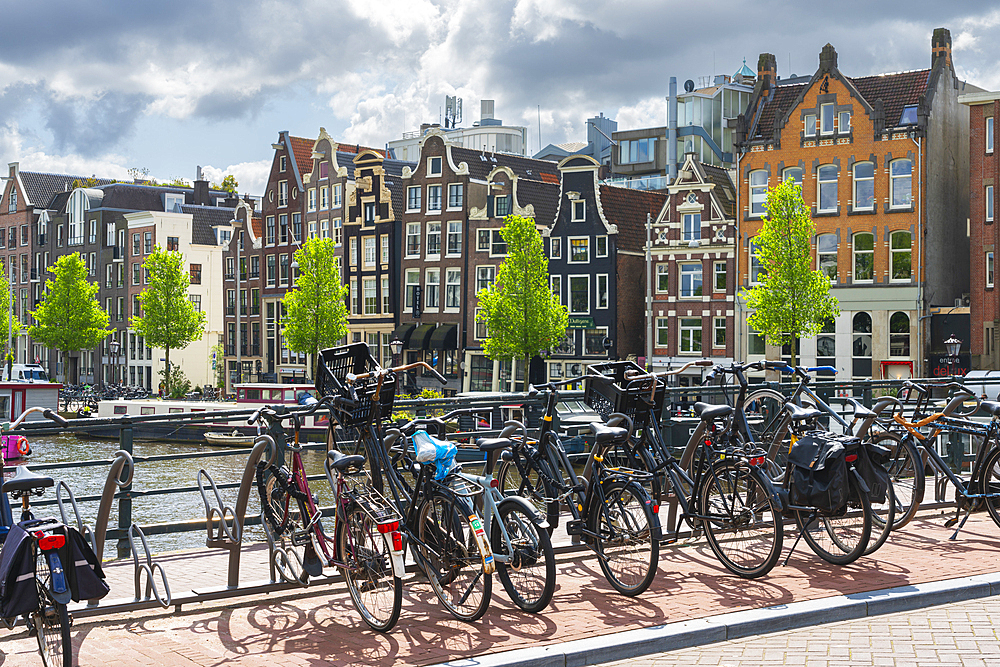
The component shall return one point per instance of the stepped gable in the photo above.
(725, 192)
(544, 197)
(481, 163)
(627, 209)
(40, 187)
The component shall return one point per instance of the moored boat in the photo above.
(233, 439)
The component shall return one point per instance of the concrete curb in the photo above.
(735, 625)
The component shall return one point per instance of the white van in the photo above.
(26, 373)
(988, 386)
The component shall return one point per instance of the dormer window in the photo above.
(579, 211)
(826, 118)
(909, 115)
(172, 202)
(282, 193)
(12, 205)
(434, 166)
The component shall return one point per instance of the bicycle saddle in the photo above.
(25, 480)
(709, 412)
(604, 433)
(342, 462)
(801, 414)
(991, 407)
(489, 444)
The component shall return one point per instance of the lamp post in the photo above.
(396, 346)
(952, 345)
(114, 346)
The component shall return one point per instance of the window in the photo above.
(355, 305)
(324, 198)
(690, 330)
(602, 246)
(370, 252)
(690, 280)
(433, 198)
(433, 238)
(92, 237)
(826, 346)
(593, 341)
(454, 238)
(756, 269)
(864, 257)
(271, 274)
(433, 166)
(452, 288)
(148, 242)
(269, 231)
(864, 186)
(194, 298)
(899, 256)
(282, 193)
(719, 285)
(637, 150)
(579, 210)
(602, 290)
(498, 246)
(283, 228)
(413, 239)
(758, 192)
(662, 278)
(482, 240)
(692, 227)
(826, 188)
(485, 276)
(413, 198)
(136, 244)
(353, 255)
(900, 172)
(12, 204)
(579, 250)
(808, 127)
(386, 306)
(297, 227)
(195, 270)
(412, 282)
(662, 331)
(861, 345)
(281, 162)
(311, 200)
(555, 286)
(579, 295)
(455, 195)
(384, 248)
(283, 269)
(844, 122)
(989, 134)
(555, 248)
(909, 115)
(794, 173)
(989, 269)
(899, 335)
(989, 204)
(255, 266)
(109, 235)
(312, 229)
(336, 195)
(173, 243)
(502, 205)
(482, 335)
(371, 296)
(826, 113)
(338, 231)
(432, 288)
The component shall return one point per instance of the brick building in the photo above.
(882, 161)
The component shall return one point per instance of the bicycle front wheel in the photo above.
(742, 522)
(628, 536)
(883, 519)
(840, 538)
(50, 621)
(991, 482)
(452, 557)
(367, 555)
(529, 575)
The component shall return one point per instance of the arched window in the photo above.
(826, 255)
(899, 335)
(826, 189)
(864, 258)
(794, 173)
(861, 345)
(864, 186)
(76, 209)
(758, 192)
(899, 256)
(900, 183)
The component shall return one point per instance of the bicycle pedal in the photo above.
(574, 527)
(301, 539)
(951, 522)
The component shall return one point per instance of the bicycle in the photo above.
(611, 512)
(439, 523)
(49, 621)
(367, 545)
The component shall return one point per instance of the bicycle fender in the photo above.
(529, 509)
(779, 496)
(398, 566)
(59, 590)
(860, 480)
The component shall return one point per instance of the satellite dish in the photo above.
(688, 86)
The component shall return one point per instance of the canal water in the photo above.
(152, 475)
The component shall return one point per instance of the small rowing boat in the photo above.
(234, 439)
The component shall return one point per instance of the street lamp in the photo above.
(114, 346)
(396, 346)
(952, 345)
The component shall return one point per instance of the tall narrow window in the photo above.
(412, 282)
(454, 238)
(826, 255)
(579, 295)
(433, 238)
(690, 280)
(864, 186)
(602, 290)
(719, 284)
(453, 288)
(861, 346)
(692, 227)
(809, 126)
(844, 122)
(432, 288)
(989, 134)
(720, 332)
(662, 331)
(826, 186)
(455, 198)
(899, 335)
(433, 197)
(690, 331)
(901, 183)
(662, 278)
(756, 269)
(555, 285)
(899, 256)
(989, 203)
(864, 257)
(413, 239)
(989, 269)
(758, 192)
(826, 113)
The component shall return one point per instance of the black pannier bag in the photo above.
(819, 470)
(18, 593)
(872, 459)
(84, 573)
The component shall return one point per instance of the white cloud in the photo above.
(251, 176)
(650, 112)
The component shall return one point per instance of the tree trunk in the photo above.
(166, 376)
(527, 367)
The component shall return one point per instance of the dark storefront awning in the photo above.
(403, 332)
(421, 337)
(445, 337)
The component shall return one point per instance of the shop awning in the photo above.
(445, 337)
(403, 332)
(421, 337)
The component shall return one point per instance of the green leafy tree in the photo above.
(229, 184)
(790, 300)
(69, 317)
(169, 319)
(316, 315)
(521, 314)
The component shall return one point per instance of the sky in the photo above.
(99, 87)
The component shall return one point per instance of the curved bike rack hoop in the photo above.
(120, 476)
(83, 529)
(220, 535)
(149, 567)
(283, 563)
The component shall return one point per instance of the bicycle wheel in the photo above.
(452, 558)
(628, 535)
(906, 472)
(534, 488)
(765, 411)
(50, 621)
(635, 455)
(991, 482)
(840, 538)
(277, 507)
(529, 577)
(883, 519)
(743, 524)
(367, 555)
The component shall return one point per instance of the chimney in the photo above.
(13, 169)
(200, 196)
(767, 71)
(486, 109)
(828, 58)
(941, 46)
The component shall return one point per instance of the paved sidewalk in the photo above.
(318, 625)
(963, 633)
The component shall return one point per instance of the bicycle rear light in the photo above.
(50, 542)
(495, 483)
(851, 458)
(388, 527)
(757, 461)
(397, 541)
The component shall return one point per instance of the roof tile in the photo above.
(628, 209)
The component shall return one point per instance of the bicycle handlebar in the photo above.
(352, 378)
(441, 419)
(46, 412)
(268, 412)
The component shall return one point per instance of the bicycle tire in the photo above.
(839, 538)
(883, 520)
(535, 488)
(743, 525)
(51, 621)
(991, 483)
(628, 536)
(376, 592)
(277, 506)
(906, 473)
(765, 412)
(636, 455)
(455, 565)
(530, 576)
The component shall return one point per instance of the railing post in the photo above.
(125, 495)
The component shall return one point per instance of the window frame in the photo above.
(896, 335)
(555, 286)
(855, 253)
(454, 233)
(408, 286)
(555, 247)
(603, 277)
(662, 326)
(600, 241)
(455, 203)
(755, 267)
(369, 250)
(570, 305)
(758, 193)
(856, 181)
(989, 203)
(433, 231)
(682, 274)
(785, 175)
(435, 292)
(826, 128)
(840, 122)
(828, 183)
(412, 232)
(716, 328)
(435, 165)
(989, 134)
(578, 211)
(694, 232)
(435, 201)
(662, 271)
(820, 254)
(685, 325)
(809, 125)
(896, 179)
(453, 289)
(572, 246)
(716, 273)
(893, 251)
(990, 269)
(480, 270)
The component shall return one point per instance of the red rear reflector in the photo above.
(50, 542)
(656, 509)
(851, 458)
(388, 527)
(397, 542)
(757, 461)
(495, 483)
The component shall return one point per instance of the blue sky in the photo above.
(102, 86)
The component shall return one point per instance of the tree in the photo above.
(316, 316)
(169, 319)
(791, 300)
(69, 317)
(521, 314)
(229, 184)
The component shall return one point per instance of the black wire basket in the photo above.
(332, 368)
(629, 397)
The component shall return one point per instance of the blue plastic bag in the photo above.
(428, 449)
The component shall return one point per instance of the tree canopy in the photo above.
(168, 318)
(316, 314)
(521, 314)
(790, 299)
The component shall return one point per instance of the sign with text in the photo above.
(580, 323)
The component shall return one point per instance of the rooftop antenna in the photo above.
(539, 127)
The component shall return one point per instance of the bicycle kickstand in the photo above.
(802, 531)
(951, 522)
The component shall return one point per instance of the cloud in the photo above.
(251, 176)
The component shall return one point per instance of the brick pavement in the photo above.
(318, 625)
(961, 634)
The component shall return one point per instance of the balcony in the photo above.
(75, 240)
(230, 275)
(641, 183)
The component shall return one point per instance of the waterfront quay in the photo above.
(692, 601)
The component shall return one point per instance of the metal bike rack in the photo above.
(220, 535)
(285, 564)
(81, 527)
(149, 568)
(115, 478)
